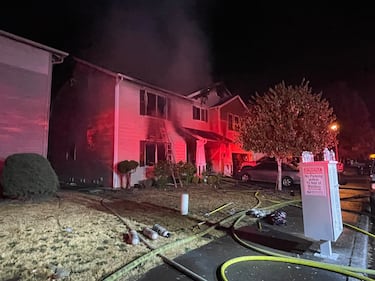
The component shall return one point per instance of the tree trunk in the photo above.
(125, 180)
(128, 177)
(123, 183)
(279, 184)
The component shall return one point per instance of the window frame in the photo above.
(158, 108)
(200, 113)
(159, 150)
(233, 122)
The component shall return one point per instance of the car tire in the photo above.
(245, 177)
(287, 181)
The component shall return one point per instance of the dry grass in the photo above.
(74, 237)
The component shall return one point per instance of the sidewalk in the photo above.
(350, 249)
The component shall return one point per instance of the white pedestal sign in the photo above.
(322, 218)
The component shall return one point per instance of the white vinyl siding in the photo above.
(24, 109)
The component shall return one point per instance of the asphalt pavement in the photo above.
(350, 249)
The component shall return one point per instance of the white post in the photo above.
(184, 204)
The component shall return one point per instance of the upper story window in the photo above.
(152, 104)
(200, 114)
(233, 122)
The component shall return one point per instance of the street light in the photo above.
(335, 128)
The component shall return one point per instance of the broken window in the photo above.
(152, 153)
(152, 104)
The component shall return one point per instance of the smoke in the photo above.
(159, 42)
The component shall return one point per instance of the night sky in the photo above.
(184, 45)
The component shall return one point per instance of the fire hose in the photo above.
(269, 255)
(276, 257)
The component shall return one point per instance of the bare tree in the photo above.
(285, 121)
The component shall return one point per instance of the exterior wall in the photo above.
(219, 154)
(182, 114)
(235, 107)
(235, 155)
(82, 127)
(134, 127)
(25, 87)
(214, 120)
(24, 56)
(96, 122)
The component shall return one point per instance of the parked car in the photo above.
(254, 163)
(372, 176)
(267, 172)
(372, 190)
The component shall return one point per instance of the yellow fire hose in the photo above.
(309, 263)
(270, 255)
(217, 209)
(157, 252)
(276, 257)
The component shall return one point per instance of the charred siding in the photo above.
(82, 127)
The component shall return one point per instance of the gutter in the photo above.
(122, 77)
(145, 84)
(57, 55)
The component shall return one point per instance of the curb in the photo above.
(359, 256)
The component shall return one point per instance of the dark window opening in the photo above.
(152, 105)
(230, 122)
(142, 102)
(233, 122)
(236, 123)
(152, 153)
(196, 113)
(160, 148)
(161, 103)
(200, 114)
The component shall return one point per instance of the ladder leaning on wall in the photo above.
(171, 158)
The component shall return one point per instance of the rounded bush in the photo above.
(28, 175)
(127, 166)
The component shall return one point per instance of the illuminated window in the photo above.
(233, 122)
(200, 114)
(152, 153)
(152, 104)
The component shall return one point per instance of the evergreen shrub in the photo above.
(186, 171)
(162, 173)
(28, 175)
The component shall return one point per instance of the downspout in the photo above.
(48, 106)
(116, 182)
(221, 164)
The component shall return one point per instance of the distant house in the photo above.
(101, 118)
(25, 91)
